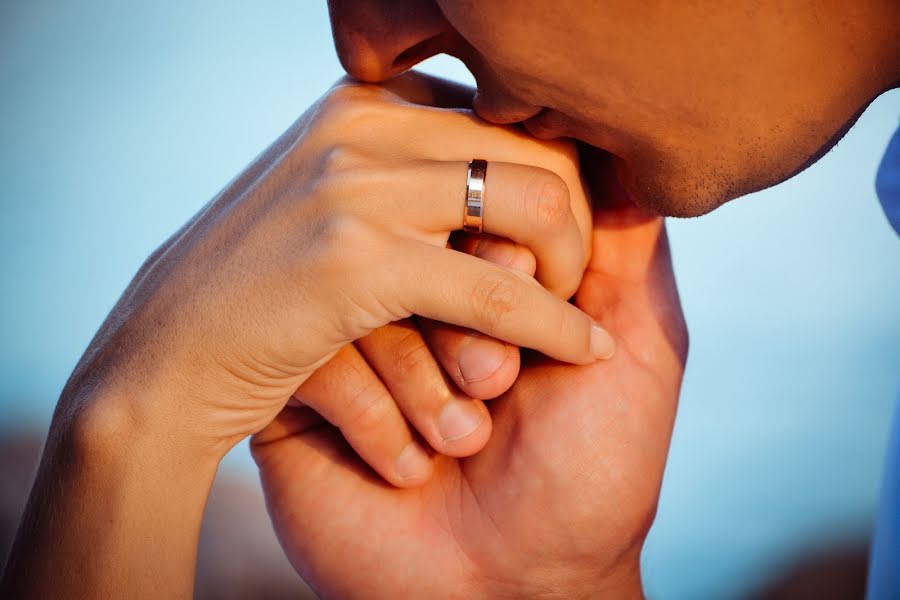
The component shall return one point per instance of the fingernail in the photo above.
(458, 419)
(602, 344)
(479, 357)
(413, 462)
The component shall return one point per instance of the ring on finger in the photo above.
(473, 215)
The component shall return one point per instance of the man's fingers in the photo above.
(497, 250)
(449, 286)
(482, 367)
(452, 423)
(295, 419)
(351, 397)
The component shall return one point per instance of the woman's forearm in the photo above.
(115, 512)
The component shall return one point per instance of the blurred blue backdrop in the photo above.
(119, 119)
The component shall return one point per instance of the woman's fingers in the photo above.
(408, 107)
(456, 288)
(347, 393)
(526, 204)
(452, 423)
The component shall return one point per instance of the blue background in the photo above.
(119, 119)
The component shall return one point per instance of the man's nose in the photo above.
(376, 39)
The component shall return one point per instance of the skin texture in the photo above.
(695, 105)
(338, 229)
(558, 502)
(423, 365)
(699, 103)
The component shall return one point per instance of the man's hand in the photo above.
(561, 498)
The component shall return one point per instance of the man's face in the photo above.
(699, 102)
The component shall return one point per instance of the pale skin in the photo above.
(312, 247)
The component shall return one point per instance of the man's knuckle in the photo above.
(367, 408)
(412, 357)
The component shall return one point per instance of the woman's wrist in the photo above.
(112, 497)
(116, 507)
(118, 432)
(124, 418)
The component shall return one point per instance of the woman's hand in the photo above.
(338, 229)
(437, 373)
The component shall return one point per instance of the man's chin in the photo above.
(667, 206)
(670, 196)
(655, 190)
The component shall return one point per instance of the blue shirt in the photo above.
(884, 566)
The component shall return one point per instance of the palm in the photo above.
(566, 487)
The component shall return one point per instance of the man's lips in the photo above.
(501, 115)
(547, 124)
(541, 122)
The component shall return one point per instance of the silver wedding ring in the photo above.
(473, 216)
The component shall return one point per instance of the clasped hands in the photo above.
(285, 310)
